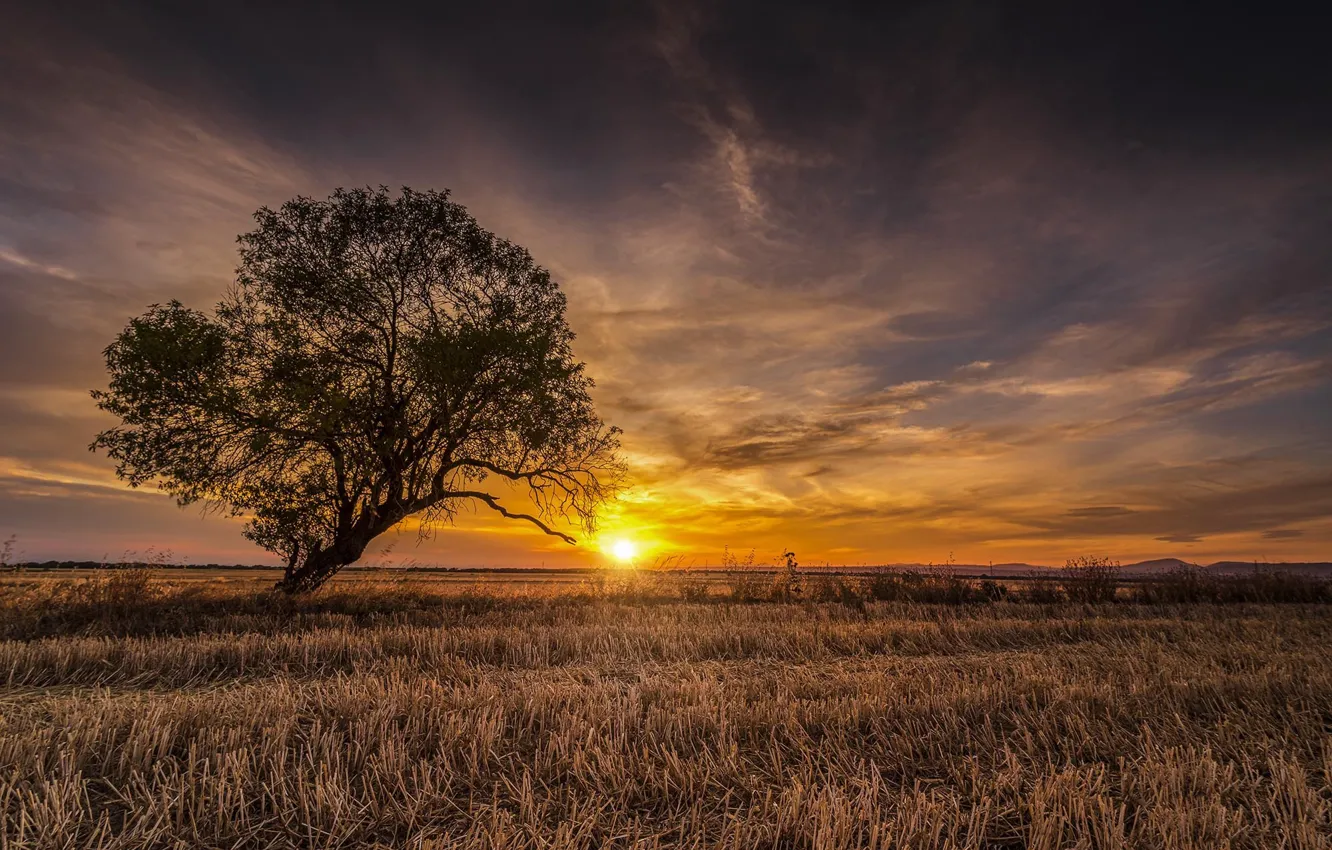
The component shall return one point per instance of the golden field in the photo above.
(139, 712)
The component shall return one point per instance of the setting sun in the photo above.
(623, 550)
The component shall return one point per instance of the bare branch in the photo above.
(505, 512)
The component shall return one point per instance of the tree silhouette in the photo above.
(378, 357)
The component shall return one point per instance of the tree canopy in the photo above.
(377, 357)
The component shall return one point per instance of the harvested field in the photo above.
(372, 714)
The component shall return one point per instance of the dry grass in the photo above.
(414, 718)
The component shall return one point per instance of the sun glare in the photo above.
(623, 550)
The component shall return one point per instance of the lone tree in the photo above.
(378, 357)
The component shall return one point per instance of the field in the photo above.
(149, 712)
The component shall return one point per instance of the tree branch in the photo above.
(508, 514)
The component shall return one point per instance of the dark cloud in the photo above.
(935, 324)
(1282, 534)
(1183, 516)
(1100, 512)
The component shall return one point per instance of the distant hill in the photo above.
(1155, 567)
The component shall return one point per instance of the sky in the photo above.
(877, 283)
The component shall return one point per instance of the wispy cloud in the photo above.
(14, 258)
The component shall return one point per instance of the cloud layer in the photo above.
(875, 289)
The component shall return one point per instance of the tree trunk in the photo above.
(319, 566)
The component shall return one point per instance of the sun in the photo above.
(623, 550)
